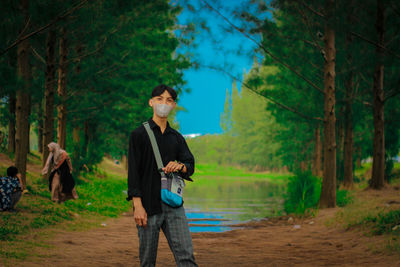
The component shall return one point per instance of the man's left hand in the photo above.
(173, 166)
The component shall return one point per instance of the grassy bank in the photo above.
(374, 212)
(101, 195)
(214, 175)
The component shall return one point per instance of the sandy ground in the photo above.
(267, 243)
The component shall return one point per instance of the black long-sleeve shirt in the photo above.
(144, 180)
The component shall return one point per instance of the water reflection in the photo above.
(220, 205)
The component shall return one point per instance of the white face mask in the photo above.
(162, 110)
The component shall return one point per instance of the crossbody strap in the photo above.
(153, 142)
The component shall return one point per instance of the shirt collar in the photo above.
(154, 125)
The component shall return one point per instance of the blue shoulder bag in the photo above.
(171, 184)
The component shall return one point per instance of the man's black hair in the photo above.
(160, 89)
(12, 171)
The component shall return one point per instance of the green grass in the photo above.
(99, 197)
(207, 170)
(383, 223)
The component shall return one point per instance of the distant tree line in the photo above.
(249, 137)
(80, 72)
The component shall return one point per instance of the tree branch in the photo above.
(38, 56)
(58, 18)
(391, 94)
(283, 106)
(354, 33)
(264, 48)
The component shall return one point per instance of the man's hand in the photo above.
(139, 213)
(173, 166)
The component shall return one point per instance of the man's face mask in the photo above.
(162, 110)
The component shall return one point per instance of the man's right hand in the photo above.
(139, 213)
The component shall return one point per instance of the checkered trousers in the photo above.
(174, 224)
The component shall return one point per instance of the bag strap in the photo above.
(153, 142)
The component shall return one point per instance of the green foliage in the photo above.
(303, 191)
(343, 198)
(387, 222)
(130, 47)
(383, 223)
(293, 42)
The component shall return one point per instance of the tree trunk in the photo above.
(125, 162)
(62, 91)
(87, 136)
(28, 144)
(11, 123)
(49, 88)
(317, 153)
(328, 191)
(340, 146)
(76, 136)
(359, 155)
(348, 140)
(76, 152)
(40, 127)
(348, 113)
(378, 164)
(23, 101)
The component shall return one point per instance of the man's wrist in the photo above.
(182, 167)
(137, 202)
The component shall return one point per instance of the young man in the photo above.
(10, 189)
(144, 183)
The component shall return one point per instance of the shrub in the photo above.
(388, 222)
(343, 197)
(303, 192)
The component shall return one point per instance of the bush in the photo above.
(303, 192)
(388, 222)
(343, 197)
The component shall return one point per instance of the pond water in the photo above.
(219, 205)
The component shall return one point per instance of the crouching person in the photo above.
(10, 189)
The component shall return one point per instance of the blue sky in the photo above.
(205, 102)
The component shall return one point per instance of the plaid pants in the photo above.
(176, 229)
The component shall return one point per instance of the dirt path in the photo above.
(274, 242)
(266, 243)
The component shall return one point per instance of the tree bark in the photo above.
(62, 91)
(348, 181)
(87, 137)
(76, 136)
(348, 139)
(76, 146)
(328, 191)
(11, 123)
(125, 162)
(340, 145)
(358, 160)
(378, 164)
(23, 101)
(317, 170)
(40, 127)
(49, 90)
